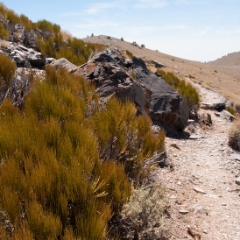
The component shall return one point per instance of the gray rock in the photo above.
(183, 211)
(195, 137)
(156, 129)
(160, 159)
(217, 106)
(199, 209)
(63, 62)
(235, 156)
(24, 57)
(237, 180)
(37, 60)
(165, 105)
(112, 75)
(227, 115)
(158, 64)
(199, 190)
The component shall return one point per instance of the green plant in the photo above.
(133, 75)
(122, 39)
(29, 25)
(186, 90)
(234, 136)
(135, 44)
(231, 110)
(7, 69)
(3, 31)
(130, 54)
(12, 17)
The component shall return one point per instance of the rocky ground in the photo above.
(203, 194)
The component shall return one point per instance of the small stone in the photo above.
(183, 211)
(237, 180)
(205, 231)
(193, 137)
(199, 209)
(199, 190)
(235, 157)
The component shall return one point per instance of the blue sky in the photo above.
(201, 30)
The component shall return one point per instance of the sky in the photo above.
(201, 30)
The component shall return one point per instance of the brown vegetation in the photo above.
(62, 174)
(7, 69)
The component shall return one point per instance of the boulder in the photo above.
(37, 60)
(23, 56)
(213, 106)
(165, 105)
(227, 115)
(63, 62)
(112, 75)
(158, 64)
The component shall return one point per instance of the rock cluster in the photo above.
(112, 74)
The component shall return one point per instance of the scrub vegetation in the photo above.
(63, 175)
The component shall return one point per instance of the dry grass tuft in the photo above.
(7, 69)
(234, 136)
(145, 214)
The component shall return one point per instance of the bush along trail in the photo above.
(202, 183)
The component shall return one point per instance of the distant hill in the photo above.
(230, 60)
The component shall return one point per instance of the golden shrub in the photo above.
(7, 69)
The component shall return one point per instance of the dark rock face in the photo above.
(23, 56)
(166, 106)
(112, 75)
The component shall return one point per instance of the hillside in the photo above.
(98, 141)
(223, 80)
(230, 60)
(229, 64)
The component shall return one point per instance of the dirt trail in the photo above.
(202, 191)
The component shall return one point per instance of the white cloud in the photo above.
(96, 24)
(174, 27)
(151, 3)
(98, 7)
(71, 14)
(140, 30)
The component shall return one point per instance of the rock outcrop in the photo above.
(23, 56)
(112, 74)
